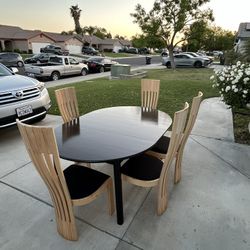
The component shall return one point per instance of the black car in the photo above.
(89, 51)
(132, 50)
(53, 49)
(11, 59)
(39, 58)
(99, 64)
(143, 51)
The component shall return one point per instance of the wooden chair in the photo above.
(150, 93)
(68, 107)
(74, 186)
(149, 171)
(67, 103)
(160, 149)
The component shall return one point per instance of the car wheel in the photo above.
(168, 65)
(84, 72)
(198, 64)
(20, 64)
(55, 76)
(101, 70)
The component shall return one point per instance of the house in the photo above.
(92, 41)
(114, 44)
(15, 38)
(242, 36)
(72, 43)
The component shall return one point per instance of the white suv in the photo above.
(21, 97)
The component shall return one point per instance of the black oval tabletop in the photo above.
(110, 134)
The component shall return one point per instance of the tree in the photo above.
(140, 41)
(76, 13)
(120, 37)
(196, 36)
(70, 32)
(170, 18)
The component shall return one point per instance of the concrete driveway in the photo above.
(208, 209)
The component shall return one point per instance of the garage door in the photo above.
(37, 46)
(74, 49)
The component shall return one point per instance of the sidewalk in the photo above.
(208, 209)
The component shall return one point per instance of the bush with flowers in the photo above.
(233, 83)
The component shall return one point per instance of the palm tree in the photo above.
(76, 13)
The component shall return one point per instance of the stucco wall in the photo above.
(40, 39)
(21, 45)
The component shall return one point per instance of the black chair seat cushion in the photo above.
(161, 145)
(83, 181)
(143, 167)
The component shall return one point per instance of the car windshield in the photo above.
(4, 71)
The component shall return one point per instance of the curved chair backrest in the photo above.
(150, 93)
(179, 123)
(192, 117)
(41, 145)
(67, 103)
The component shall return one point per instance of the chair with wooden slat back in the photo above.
(67, 103)
(160, 149)
(68, 106)
(74, 186)
(149, 171)
(150, 93)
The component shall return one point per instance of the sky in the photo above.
(113, 15)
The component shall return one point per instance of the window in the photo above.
(66, 61)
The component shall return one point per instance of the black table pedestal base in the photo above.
(118, 191)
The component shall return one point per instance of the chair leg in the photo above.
(67, 229)
(162, 203)
(65, 220)
(177, 172)
(111, 205)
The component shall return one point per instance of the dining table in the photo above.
(111, 135)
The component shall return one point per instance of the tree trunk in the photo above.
(171, 55)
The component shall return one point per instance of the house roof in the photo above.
(244, 30)
(57, 37)
(90, 39)
(14, 32)
(126, 42)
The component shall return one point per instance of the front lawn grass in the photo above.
(176, 87)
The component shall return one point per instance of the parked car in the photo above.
(21, 97)
(11, 59)
(164, 53)
(99, 64)
(185, 60)
(143, 51)
(38, 58)
(89, 51)
(56, 67)
(132, 50)
(53, 49)
(199, 55)
(217, 53)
